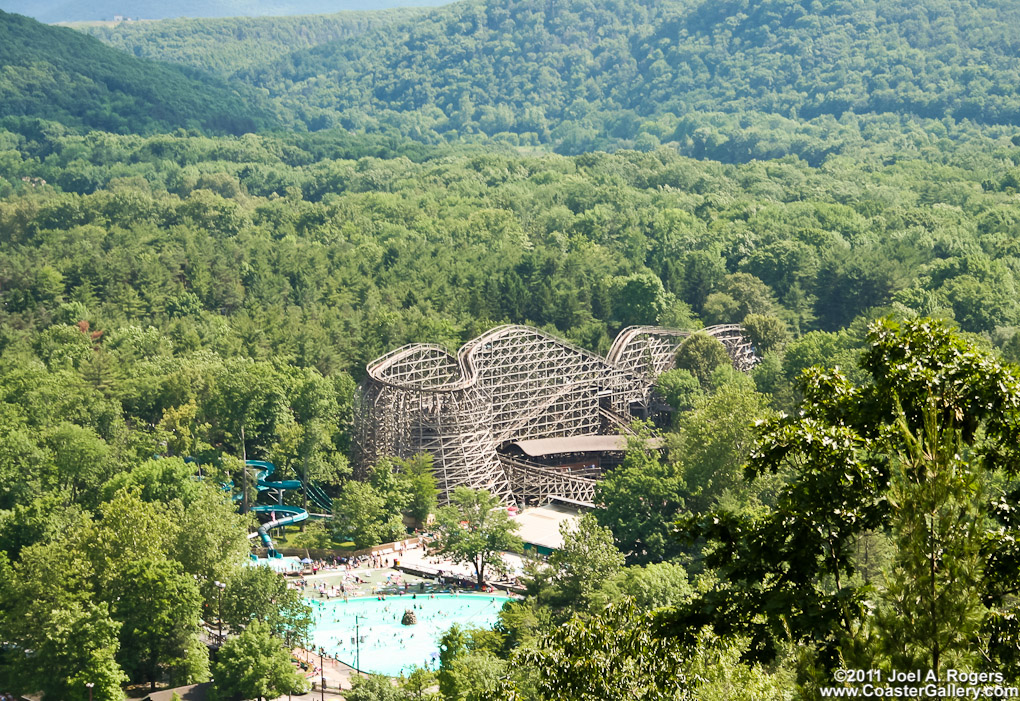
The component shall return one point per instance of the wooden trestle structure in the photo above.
(513, 383)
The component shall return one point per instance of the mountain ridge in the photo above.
(59, 74)
(53, 11)
(570, 73)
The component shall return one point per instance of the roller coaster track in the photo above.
(536, 483)
(511, 383)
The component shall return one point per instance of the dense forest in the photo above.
(230, 44)
(61, 75)
(197, 266)
(730, 81)
(53, 11)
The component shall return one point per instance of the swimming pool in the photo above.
(387, 646)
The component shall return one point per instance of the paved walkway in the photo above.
(435, 564)
(338, 675)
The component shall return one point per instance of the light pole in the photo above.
(220, 586)
(89, 685)
(322, 677)
(357, 643)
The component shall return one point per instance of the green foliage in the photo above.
(729, 81)
(255, 665)
(611, 655)
(700, 354)
(767, 333)
(475, 529)
(712, 443)
(799, 559)
(680, 388)
(641, 499)
(70, 646)
(471, 675)
(232, 43)
(931, 607)
(159, 608)
(586, 560)
(260, 595)
(721, 676)
(467, 667)
(57, 73)
(418, 685)
(650, 586)
(420, 484)
(360, 514)
(315, 536)
(373, 687)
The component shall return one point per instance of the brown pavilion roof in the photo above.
(539, 447)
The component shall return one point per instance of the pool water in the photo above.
(387, 646)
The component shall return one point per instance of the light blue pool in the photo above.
(387, 646)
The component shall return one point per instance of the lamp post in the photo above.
(89, 685)
(220, 586)
(357, 643)
(322, 677)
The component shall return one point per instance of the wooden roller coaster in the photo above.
(513, 383)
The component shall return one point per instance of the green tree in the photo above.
(640, 500)
(798, 559)
(316, 413)
(475, 529)
(258, 594)
(587, 558)
(58, 637)
(316, 536)
(736, 296)
(472, 674)
(419, 686)
(419, 481)
(81, 459)
(611, 656)
(680, 388)
(373, 687)
(245, 405)
(650, 586)
(467, 663)
(767, 333)
(712, 443)
(637, 299)
(452, 644)
(360, 514)
(255, 665)
(700, 354)
(159, 608)
(931, 607)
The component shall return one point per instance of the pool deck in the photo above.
(420, 563)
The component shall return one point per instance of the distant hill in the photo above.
(583, 75)
(92, 10)
(59, 74)
(226, 45)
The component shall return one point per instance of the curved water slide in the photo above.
(279, 514)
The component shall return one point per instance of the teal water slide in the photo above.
(279, 514)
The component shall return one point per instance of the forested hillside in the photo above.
(635, 72)
(59, 74)
(83, 11)
(282, 247)
(227, 45)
